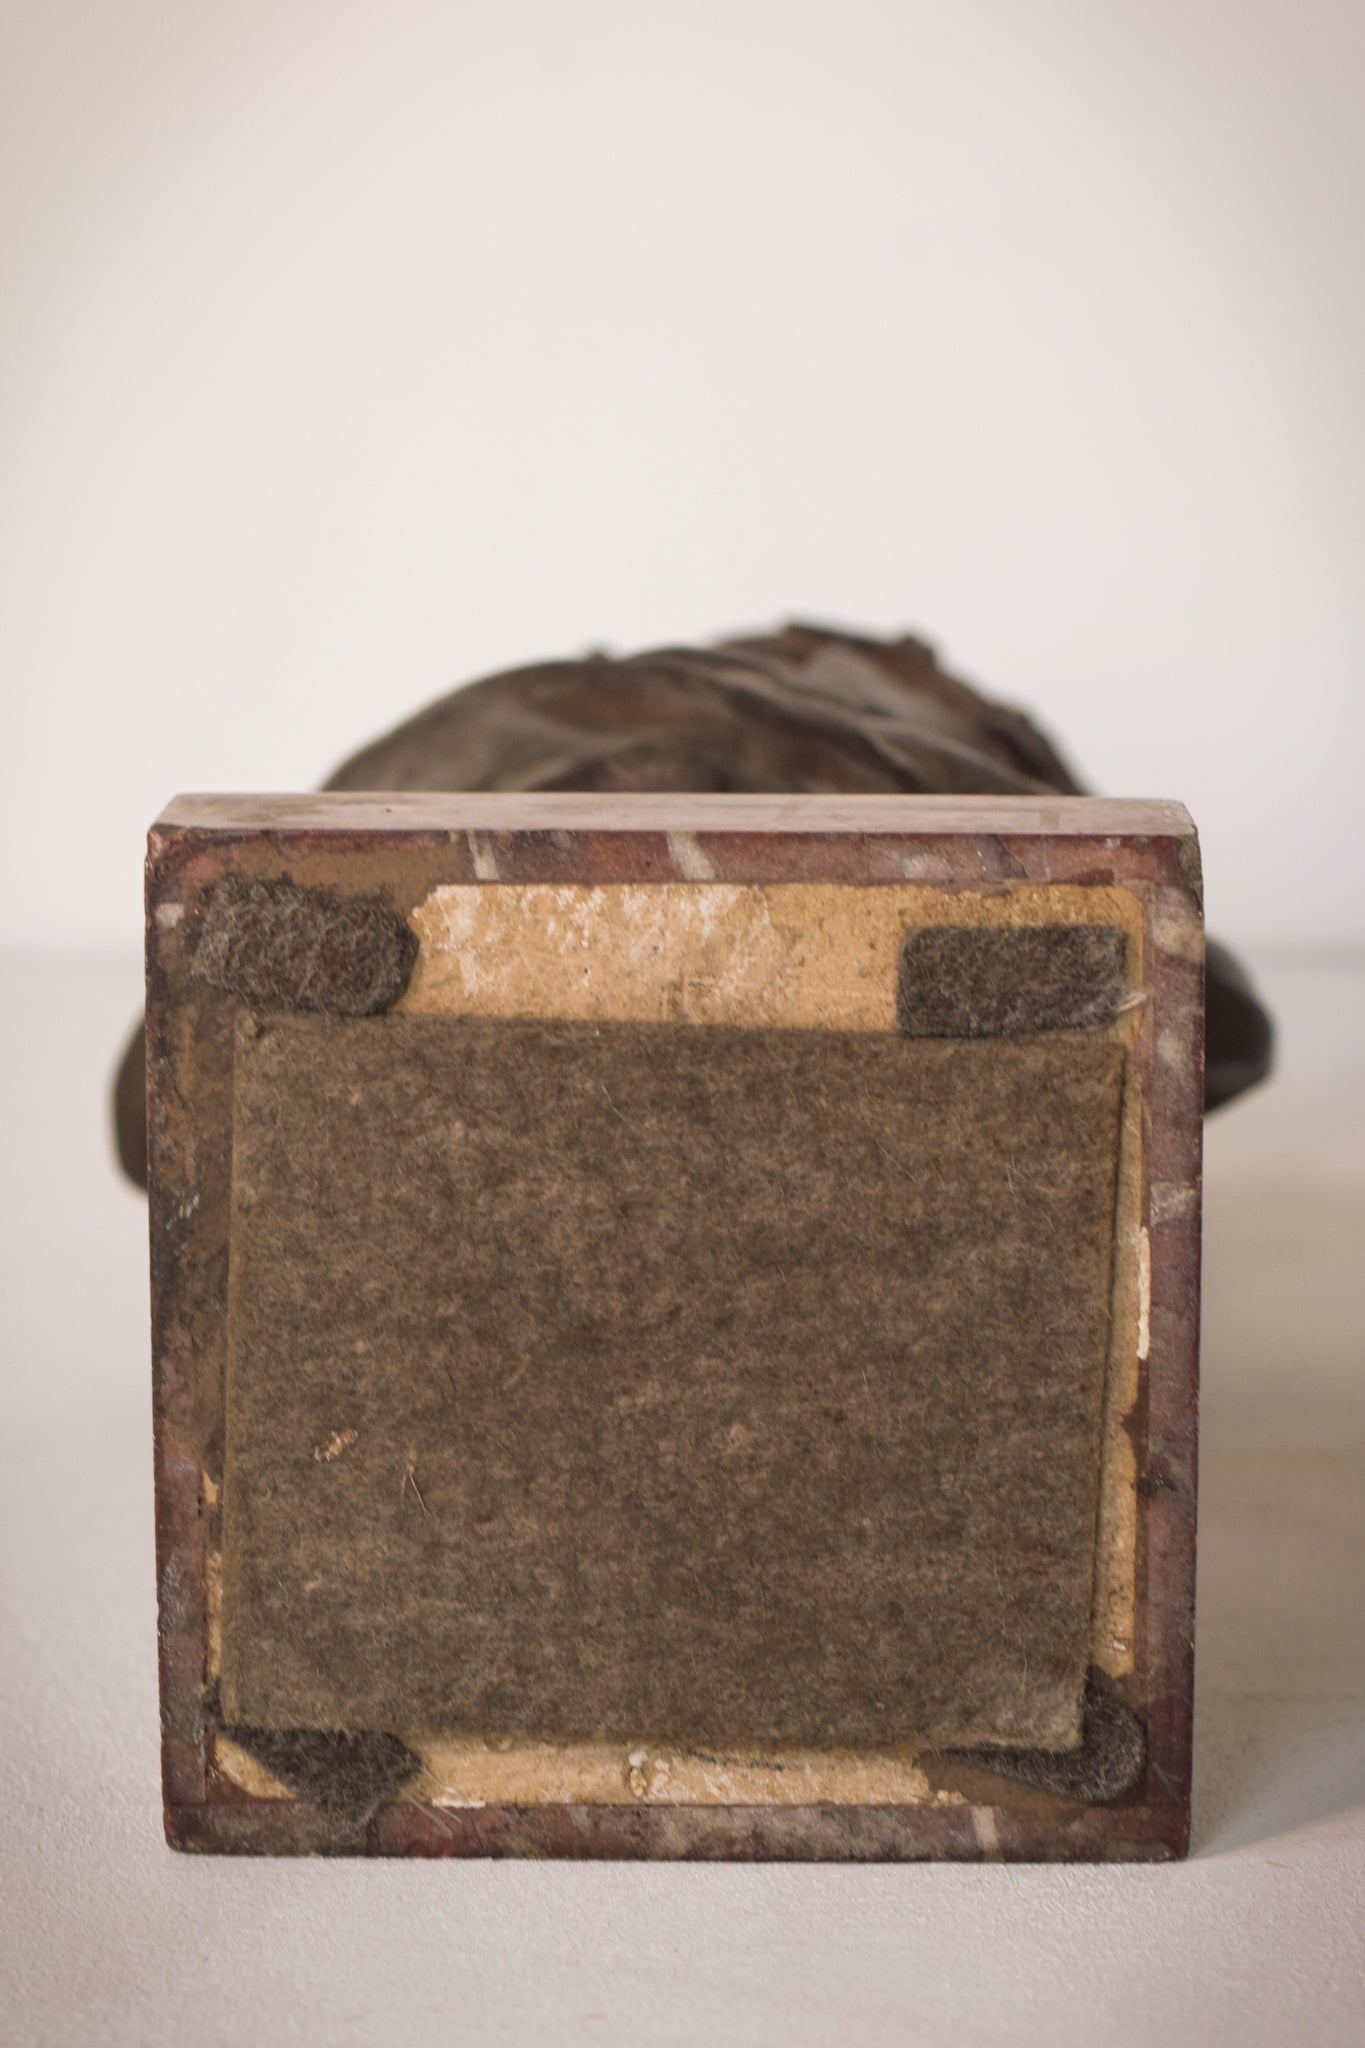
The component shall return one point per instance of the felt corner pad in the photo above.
(345, 1777)
(278, 946)
(1109, 1760)
(1000, 981)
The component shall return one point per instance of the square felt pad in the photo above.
(655, 1381)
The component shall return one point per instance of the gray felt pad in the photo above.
(984, 981)
(686, 1383)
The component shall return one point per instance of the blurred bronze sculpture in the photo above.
(807, 709)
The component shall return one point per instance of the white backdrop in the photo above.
(350, 350)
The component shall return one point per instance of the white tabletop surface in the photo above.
(106, 1935)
